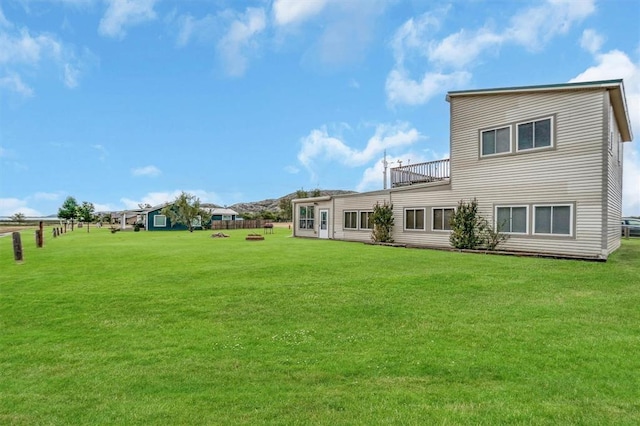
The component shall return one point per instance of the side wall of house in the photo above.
(570, 173)
(613, 168)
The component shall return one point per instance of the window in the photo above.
(160, 221)
(511, 219)
(350, 220)
(535, 134)
(496, 141)
(366, 221)
(554, 220)
(441, 219)
(306, 217)
(414, 219)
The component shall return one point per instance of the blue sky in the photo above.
(121, 102)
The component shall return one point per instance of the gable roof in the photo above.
(615, 88)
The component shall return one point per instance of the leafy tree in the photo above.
(186, 210)
(267, 215)
(382, 219)
(301, 193)
(18, 217)
(285, 209)
(85, 211)
(69, 210)
(316, 192)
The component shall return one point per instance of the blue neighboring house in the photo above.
(155, 221)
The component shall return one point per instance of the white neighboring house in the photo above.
(543, 162)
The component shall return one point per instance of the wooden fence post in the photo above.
(17, 247)
(40, 239)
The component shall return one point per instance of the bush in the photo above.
(382, 219)
(471, 231)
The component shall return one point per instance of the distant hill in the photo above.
(273, 204)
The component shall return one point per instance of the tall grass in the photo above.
(181, 328)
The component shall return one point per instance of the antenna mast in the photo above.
(384, 173)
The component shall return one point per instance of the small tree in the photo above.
(18, 217)
(186, 210)
(85, 212)
(382, 219)
(69, 210)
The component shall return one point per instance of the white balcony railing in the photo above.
(412, 174)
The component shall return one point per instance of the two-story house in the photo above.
(543, 162)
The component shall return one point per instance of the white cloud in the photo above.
(125, 13)
(49, 196)
(319, 146)
(151, 171)
(20, 48)
(13, 83)
(292, 170)
(402, 89)
(3, 20)
(240, 41)
(11, 206)
(24, 48)
(535, 26)
(204, 29)
(447, 60)
(591, 41)
(292, 12)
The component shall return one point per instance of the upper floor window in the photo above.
(496, 141)
(414, 219)
(441, 218)
(535, 134)
(351, 220)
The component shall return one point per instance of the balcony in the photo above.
(432, 171)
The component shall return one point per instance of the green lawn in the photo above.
(180, 328)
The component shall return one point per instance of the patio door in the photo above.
(323, 228)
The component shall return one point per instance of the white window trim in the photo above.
(571, 219)
(424, 219)
(526, 206)
(440, 208)
(155, 221)
(344, 225)
(509, 126)
(551, 134)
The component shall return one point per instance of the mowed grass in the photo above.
(181, 328)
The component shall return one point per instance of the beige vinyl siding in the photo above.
(359, 202)
(570, 172)
(614, 188)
